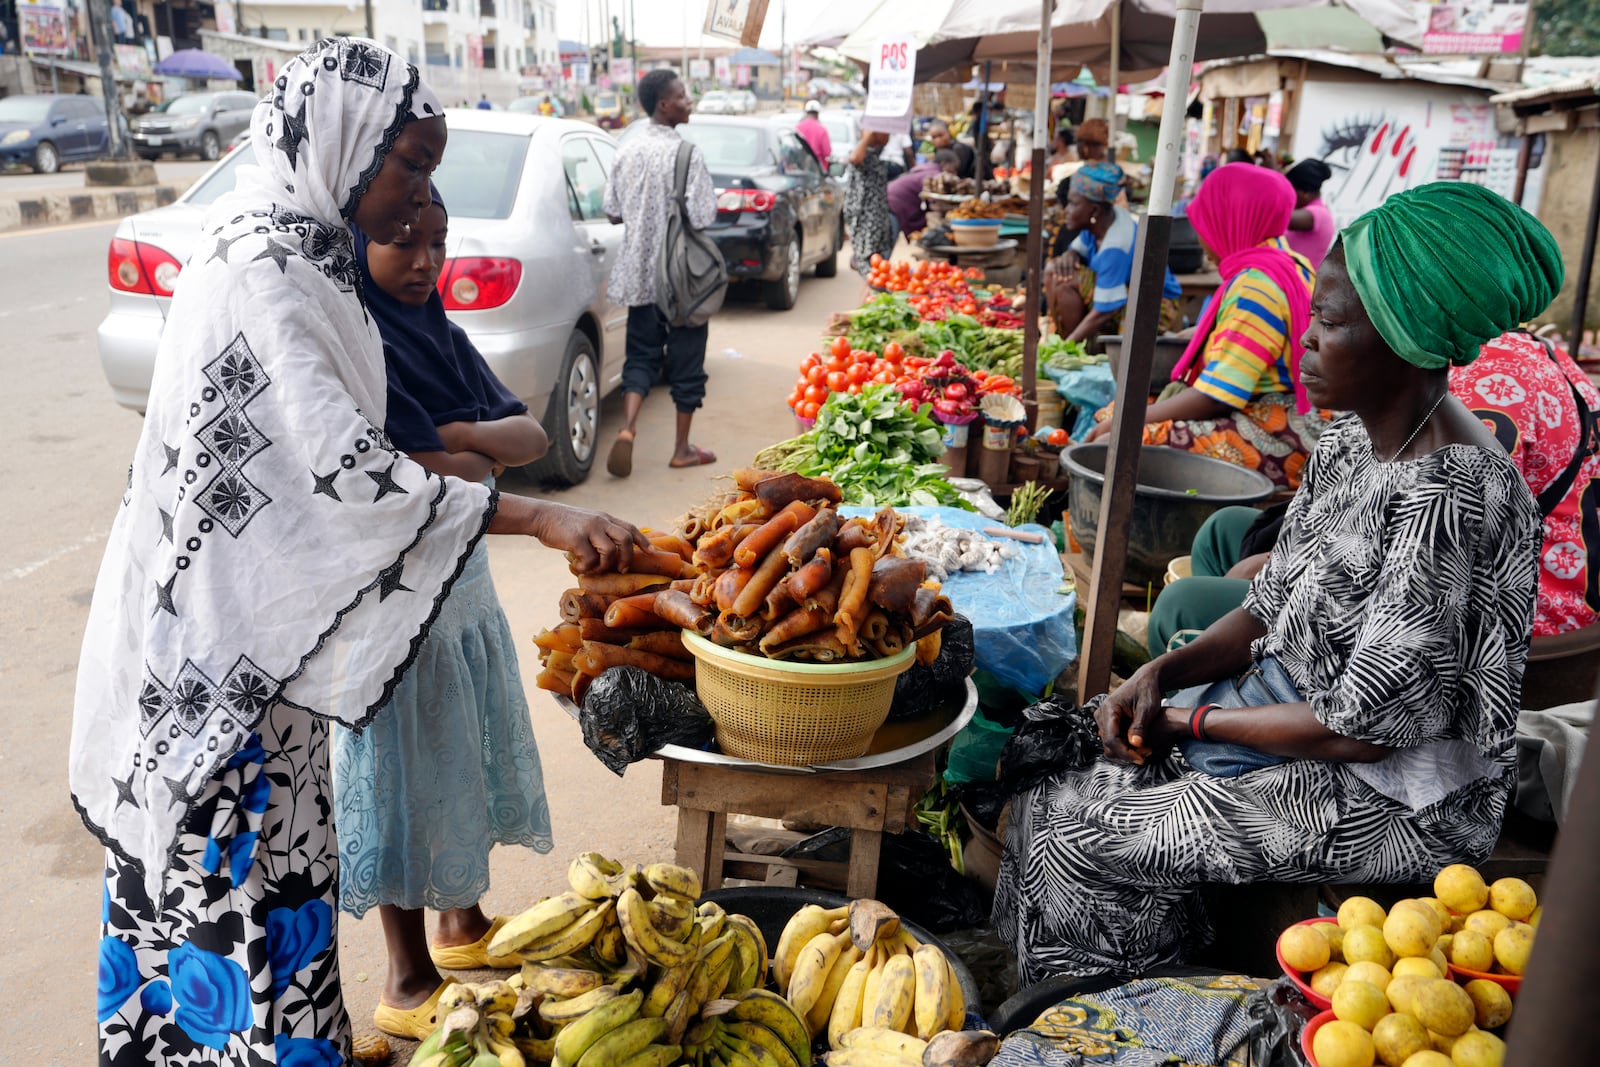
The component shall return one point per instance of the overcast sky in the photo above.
(674, 22)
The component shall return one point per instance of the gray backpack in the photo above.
(691, 277)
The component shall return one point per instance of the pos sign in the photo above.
(889, 82)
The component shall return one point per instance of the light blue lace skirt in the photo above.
(446, 771)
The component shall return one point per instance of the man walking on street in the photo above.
(640, 196)
(815, 133)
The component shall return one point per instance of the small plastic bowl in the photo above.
(1310, 1032)
(1301, 979)
(1509, 982)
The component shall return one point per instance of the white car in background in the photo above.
(530, 252)
(844, 130)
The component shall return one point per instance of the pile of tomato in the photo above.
(935, 288)
(848, 370)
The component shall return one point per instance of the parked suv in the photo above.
(201, 123)
(46, 131)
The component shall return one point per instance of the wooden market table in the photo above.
(1196, 287)
(872, 795)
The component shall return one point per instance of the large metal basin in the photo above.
(1177, 491)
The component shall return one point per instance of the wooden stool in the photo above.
(871, 803)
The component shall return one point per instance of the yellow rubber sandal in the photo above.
(474, 957)
(412, 1023)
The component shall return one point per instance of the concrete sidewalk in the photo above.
(54, 206)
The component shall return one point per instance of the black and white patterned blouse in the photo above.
(1399, 597)
(640, 194)
(866, 211)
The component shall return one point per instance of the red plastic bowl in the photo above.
(1310, 1032)
(1301, 979)
(1509, 982)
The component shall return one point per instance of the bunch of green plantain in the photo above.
(756, 1028)
(476, 1028)
(871, 1046)
(856, 966)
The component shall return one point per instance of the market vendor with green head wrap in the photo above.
(1353, 720)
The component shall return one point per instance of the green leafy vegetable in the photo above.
(875, 448)
(876, 322)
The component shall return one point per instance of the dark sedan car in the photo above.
(199, 123)
(778, 212)
(47, 131)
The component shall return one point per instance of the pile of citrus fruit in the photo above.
(1426, 983)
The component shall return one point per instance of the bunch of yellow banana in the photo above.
(870, 1046)
(656, 912)
(477, 1027)
(557, 926)
(852, 967)
(756, 1028)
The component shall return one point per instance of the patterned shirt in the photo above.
(866, 212)
(640, 194)
(1247, 353)
(1525, 398)
(1399, 598)
(1111, 260)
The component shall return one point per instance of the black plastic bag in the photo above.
(914, 877)
(1279, 1012)
(628, 713)
(919, 687)
(1055, 735)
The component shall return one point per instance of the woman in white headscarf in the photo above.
(275, 564)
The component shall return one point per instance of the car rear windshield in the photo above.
(193, 104)
(221, 181)
(479, 175)
(22, 109)
(728, 146)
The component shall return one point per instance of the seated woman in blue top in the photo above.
(450, 768)
(1102, 255)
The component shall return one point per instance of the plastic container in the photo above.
(1310, 1032)
(1511, 983)
(1182, 567)
(794, 714)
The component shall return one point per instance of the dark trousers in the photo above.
(653, 344)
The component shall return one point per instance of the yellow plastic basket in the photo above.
(793, 713)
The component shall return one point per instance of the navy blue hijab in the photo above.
(436, 375)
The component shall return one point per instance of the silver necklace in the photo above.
(1420, 425)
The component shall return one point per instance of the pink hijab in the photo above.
(1239, 207)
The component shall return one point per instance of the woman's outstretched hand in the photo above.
(596, 541)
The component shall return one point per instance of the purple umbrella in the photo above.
(196, 63)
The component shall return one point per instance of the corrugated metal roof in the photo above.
(1579, 86)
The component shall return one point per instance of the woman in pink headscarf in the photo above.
(1236, 394)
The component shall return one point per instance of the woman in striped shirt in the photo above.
(1236, 394)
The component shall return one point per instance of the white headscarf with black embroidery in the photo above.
(271, 545)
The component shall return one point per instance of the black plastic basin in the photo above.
(1177, 491)
(772, 906)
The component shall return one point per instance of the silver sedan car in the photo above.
(530, 252)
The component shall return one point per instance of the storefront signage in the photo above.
(1472, 27)
(44, 29)
(890, 80)
(736, 20)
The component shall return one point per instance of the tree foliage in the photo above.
(1565, 28)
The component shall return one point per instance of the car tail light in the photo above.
(474, 283)
(735, 200)
(141, 268)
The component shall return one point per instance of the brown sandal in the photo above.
(619, 464)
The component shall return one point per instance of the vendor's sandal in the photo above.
(701, 458)
(474, 957)
(411, 1023)
(370, 1050)
(619, 464)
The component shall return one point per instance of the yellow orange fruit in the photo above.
(1443, 1007)
(1488, 923)
(1429, 1058)
(1398, 1037)
(1360, 1002)
(1461, 889)
(1420, 966)
(1342, 1044)
(1365, 944)
(1440, 912)
(1472, 950)
(1402, 993)
(1367, 971)
(1513, 898)
(1512, 947)
(1410, 931)
(1303, 948)
(1361, 911)
(1478, 1049)
(1491, 1004)
(1335, 935)
(1327, 978)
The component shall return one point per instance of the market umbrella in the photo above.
(196, 63)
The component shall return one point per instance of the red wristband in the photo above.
(1197, 722)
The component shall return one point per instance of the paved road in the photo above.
(69, 446)
(21, 182)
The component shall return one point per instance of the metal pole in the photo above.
(633, 40)
(100, 30)
(1037, 182)
(1580, 299)
(1133, 376)
(371, 34)
(1116, 75)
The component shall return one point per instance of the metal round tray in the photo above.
(871, 761)
(1005, 244)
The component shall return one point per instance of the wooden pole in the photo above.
(1133, 375)
(1037, 190)
(1116, 76)
(1580, 298)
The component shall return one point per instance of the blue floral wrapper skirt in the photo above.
(238, 963)
(446, 771)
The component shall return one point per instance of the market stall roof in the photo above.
(1258, 75)
(1568, 89)
(1335, 28)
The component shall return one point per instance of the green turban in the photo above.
(1442, 268)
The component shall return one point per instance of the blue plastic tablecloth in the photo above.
(1023, 625)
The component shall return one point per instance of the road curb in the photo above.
(84, 205)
